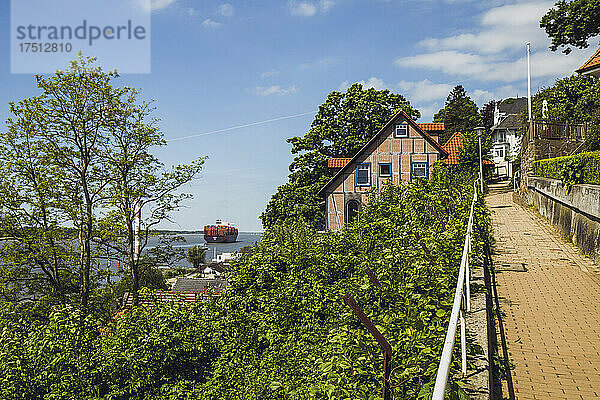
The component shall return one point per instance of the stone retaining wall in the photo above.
(575, 211)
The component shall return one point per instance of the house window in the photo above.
(401, 130)
(419, 170)
(499, 152)
(363, 174)
(352, 211)
(385, 169)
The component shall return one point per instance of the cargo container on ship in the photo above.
(220, 233)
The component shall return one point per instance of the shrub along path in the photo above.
(551, 310)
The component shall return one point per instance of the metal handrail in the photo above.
(461, 304)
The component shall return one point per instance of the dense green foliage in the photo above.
(469, 152)
(487, 114)
(592, 136)
(344, 123)
(281, 330)
(572, 23)
(573, 99)
(460, 114)
(579, 168)
(196, 255)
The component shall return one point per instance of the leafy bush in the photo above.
(579, 168)
(574, 98)
(282, 329)
(592, 137)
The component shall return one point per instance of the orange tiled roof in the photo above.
(592, 63)
(453, 146)
(338, 162)
(431, 126)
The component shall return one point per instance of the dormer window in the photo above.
(401, 131)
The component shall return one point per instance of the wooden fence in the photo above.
(558, 131)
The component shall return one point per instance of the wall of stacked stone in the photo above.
(575, 211)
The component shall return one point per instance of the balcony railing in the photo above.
(558, 131)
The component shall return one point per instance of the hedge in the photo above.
(579, 168)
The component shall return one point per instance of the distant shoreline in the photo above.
(170, 232)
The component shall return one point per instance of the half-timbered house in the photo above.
(401, 151)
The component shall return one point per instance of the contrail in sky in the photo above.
(241, 126)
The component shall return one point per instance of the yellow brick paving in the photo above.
(551, 311)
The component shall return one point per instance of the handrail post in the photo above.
(463, 343)
(468, 274)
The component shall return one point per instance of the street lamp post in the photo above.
(480, 131)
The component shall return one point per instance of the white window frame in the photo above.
(401, 131)
(419, 164)
(366, 166)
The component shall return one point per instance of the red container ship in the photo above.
(220, 233)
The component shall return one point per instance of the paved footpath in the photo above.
(551, 310)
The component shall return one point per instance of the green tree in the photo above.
(344, 123)
(572, 23)
(592, 139)
(196, 255)
(460, 114)
(469, 153)
(487, 114)
(573, 99)
(78, 155)
(66, 127)
(141, 193)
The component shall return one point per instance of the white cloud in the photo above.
(428, 111)
(269, 73)
(424, 90)
(209, 23)
(375, 83)
(420, 91)
(344, 86)
(428, 97)
(327, 4)
(226, 10)
(372, 82)
(494, 50)
(275, 90)
(191, 11)
(495, 68)
(504, 28)
(309, 8)
(303, 9)
(154, 4)
(323, 62)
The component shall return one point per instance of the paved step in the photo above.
(550, 297)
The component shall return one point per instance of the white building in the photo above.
(506, 138)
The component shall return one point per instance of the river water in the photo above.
(243, 239)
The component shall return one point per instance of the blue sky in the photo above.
(219, 64)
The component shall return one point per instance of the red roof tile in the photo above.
(431, 126)
(338, 162)
(453, 146)
(592, 63)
